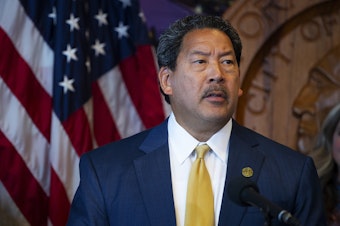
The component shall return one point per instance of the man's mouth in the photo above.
(216, 92)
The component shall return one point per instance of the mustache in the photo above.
(216, 91)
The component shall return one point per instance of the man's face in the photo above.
(312, 105)
(205, 86)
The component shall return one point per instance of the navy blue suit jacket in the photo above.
(128, 182)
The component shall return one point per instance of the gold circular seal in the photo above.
(289, 68)
(247, 172)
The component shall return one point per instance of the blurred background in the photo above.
(161, 13)
(75, 75)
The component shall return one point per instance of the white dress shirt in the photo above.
(182, 155)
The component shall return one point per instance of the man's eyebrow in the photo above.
(199, 52)
(203, 53)
(227, 53)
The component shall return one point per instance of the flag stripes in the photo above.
(74, 75)
(15, 167)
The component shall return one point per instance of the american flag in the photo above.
(74, 75)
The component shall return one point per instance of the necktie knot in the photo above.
(201, 150)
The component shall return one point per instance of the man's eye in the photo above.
(227, 62)
(199, 61)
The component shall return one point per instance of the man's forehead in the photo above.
(202, 41)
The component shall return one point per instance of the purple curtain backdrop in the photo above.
(160, 13)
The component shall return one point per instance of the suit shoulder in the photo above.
(265, 144)
(118, 151)
(128, 149)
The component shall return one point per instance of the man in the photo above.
(143, 180)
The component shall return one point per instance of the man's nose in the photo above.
(215, 73)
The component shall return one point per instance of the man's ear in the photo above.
(164, 80)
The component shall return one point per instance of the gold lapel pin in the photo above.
(247, 172)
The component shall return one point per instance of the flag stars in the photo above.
(88, 64)
(73, 22)
(98, 48)
(70, 53)
(67, 84)
(53, 15)
(101, 17)
(125, 3)
(122, 30)
(142, 16)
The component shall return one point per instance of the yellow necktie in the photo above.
(200, 198)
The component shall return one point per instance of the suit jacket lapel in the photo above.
(154, 177)
(154, 174)
(243, 153)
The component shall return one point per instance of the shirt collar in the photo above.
(182, 143)
(219, 142)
